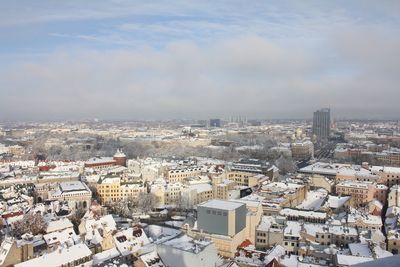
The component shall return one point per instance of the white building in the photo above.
(76, 193)
(185, 251)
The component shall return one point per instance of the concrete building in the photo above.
(185, 251)
(221, 217)
(224, 222)
(322, 124)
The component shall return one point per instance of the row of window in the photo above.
(219, 213)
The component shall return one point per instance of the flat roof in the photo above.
(221, 204)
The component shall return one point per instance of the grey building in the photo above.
(322, 123)
(221, 217)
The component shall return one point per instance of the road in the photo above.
(326, 151)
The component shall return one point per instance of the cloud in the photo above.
(198, 59)
(248, 75)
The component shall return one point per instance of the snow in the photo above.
(73, 186)
(152, 259)
(265, 224)
(174, 223)
(221, 204)
(303, 213)
(386, 262)
(335, 202)
(360, 249)
(200, 188)
(314, 200)
(156, 232)
(348, 260)
(58, 225)
(187, 243)
(65, 236)
(58, 257)
(105, 255)
(292, 229)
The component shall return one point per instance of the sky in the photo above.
(134, 60)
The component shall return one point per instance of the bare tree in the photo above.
(30, 223)
(77, 217)
(285, 165)
(146, 202)
(183, 203)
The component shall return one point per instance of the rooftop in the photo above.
(221, 204)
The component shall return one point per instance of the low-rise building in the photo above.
(361, 192)
(76, 255)
(76, 193)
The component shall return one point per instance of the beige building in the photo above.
(319, 181)
(361, 192)
(284, 194)
(12, 252)
(178, 175)
(222, 190)
(246, 178)
(268, 233)
(302, 150)
(394, 196)
(76, 193)
(389, 176)
(112, 190)
(77, 255)
(393, 240)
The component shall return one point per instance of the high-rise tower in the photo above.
(322, 124)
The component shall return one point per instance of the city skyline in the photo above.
(160, 60)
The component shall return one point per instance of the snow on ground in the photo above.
(156, 232)
(314, 200)
(174, 223)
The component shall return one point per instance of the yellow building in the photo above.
(246, 179)
(178, 175)
(111, 190)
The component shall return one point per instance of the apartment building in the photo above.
(302, 150)
(269, 232)
(223, 189)
(246, 179)
(361, 192)
(394, 196)
(284, 194)
(389, 176)
(179, 175)
(111, 189)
